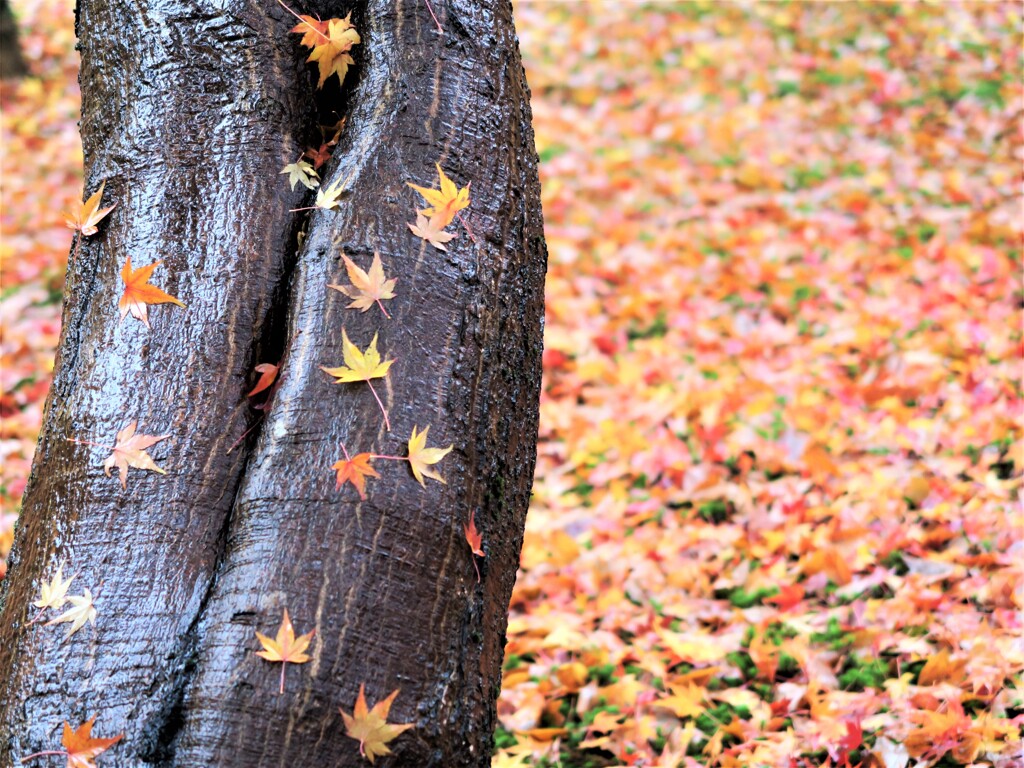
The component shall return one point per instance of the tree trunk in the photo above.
(12, 64)
(189, 113)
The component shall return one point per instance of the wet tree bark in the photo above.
(189, 112)
(12, 64)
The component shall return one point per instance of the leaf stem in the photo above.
(466, 225)
(431, 9)
(387, 423)
(283, 665)
(475, 566)
(47, 753)
(90, 442)
(383, 310)
(394, 458)
(345, 451)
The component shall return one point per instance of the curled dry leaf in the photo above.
(367, 288)
(474, 539)
(421, 457)
(286, 647)
(130, 451)
(138, 292)
(370, 727)
(268, 374)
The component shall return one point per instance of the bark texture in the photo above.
(189, 112)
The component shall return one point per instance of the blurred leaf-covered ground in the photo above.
(776, 517)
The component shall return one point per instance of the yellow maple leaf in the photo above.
(370, 727)
(285, 647)
(52, 594)
(361, 366)
(685, 701)
(421, 457)
(445, 202)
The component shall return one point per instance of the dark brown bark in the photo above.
(190, 114)
(12, 64)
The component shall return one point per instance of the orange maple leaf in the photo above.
(370, 727)
(367, 288)
(473, 538)
(89, 214)
(313, 31)
(130, 451)
(138, 292)
(355, 471)
(80, 747)
(445, 202)
(285, 647)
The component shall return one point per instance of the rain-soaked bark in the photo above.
(189, 112)
(12, 64)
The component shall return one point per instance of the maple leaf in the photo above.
(52, 593)
(444, 202)
(313, 31)
(421, 457)
(268, 374)
(685, 701)
(361, 366)
(82, 611)
(430, 231)
(370, 727)
(301, 172)
(130, 451)
(89, 215)
(138, 292)
(473, 537)
(331, 52)
(367, 288)
(328, 198)
(285, 647)
(355, 471)
(80, 747)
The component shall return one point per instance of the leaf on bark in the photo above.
(130, 451)
(370, 727)
(138, 292)
(52, 594)
(285, 647)
(301, 172)
(82, 610)
(331, 40)
(367, 288)
(421, 457)
(80, 747)
(430, 231)
(355, 471)
(445, 202)
(361, 366)
(268, 374)
(89, 214)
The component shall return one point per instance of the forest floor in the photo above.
(776, 517)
